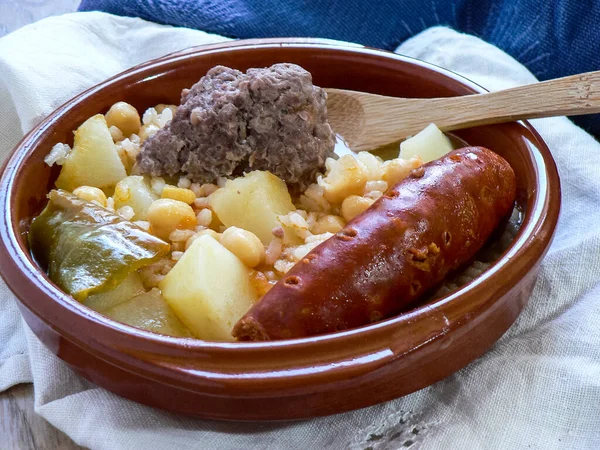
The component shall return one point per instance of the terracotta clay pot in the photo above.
(287, 379)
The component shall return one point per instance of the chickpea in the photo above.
(125, 117)
(91, 194)
(166, 215)
(328, 224)
(354, 205)
(243, 244)
(177, 193)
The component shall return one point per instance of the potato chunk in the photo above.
(253, 203)
(428, 144)
(149, 312)
(134, 191)
(209, 289)
(94, 160)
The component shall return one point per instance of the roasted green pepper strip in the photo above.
(87, 248)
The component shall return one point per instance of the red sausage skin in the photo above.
(426, 226)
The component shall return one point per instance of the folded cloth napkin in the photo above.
(538, 387)
(552, 39)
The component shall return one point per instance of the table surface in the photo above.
(20, 427)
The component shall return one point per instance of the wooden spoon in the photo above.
(367, 121)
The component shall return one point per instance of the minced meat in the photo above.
(232, 122)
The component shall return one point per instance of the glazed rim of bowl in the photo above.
(208, 366)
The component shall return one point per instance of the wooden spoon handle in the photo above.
(371, 120)
(568, 96)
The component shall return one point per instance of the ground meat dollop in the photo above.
(232, 122)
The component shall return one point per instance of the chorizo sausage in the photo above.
(405, 244)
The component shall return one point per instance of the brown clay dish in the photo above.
(290, 379)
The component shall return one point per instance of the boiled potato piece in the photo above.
(209, 289)
(428, 144)
(94, 160)
(149, 312)
(130, 287)
(134, 191)
(253, 203)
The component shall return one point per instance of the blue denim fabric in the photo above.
(552, 38)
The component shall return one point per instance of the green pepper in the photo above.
(87, 248)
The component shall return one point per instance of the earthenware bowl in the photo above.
(287, 379)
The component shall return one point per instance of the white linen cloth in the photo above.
(538, 387)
